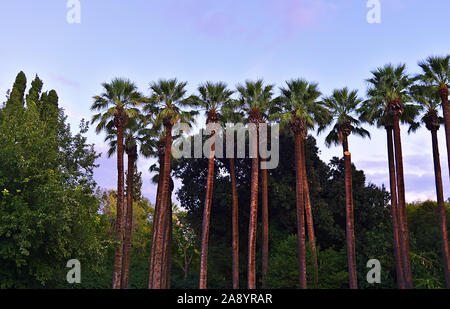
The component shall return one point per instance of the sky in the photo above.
(326, 41)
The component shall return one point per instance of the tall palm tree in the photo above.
(115, 105)
(157, 143)
(212, 96)
(388, 95)
(437, 71)
(255, 97)
(429, 99)
(167, 96)
(157, 148)
(135, 134)
(342, 106)
(301, 111)
(230, 115)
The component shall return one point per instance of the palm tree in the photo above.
(388, 94)
(342, 106)
(429, 100)
(135, 134)
(212, 97)
(437, 71)
(115, 105)
(301, 111)
(157, 146)
(167, 97)
(255, 97)
(230, 115)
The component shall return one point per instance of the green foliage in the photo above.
(48, 211)
(16, 96)
(283, 270)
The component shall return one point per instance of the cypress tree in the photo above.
(34, 93)
(18, 91)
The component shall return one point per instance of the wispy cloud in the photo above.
(418, 174)
(294, 15)
(232, 18)
(63, 80)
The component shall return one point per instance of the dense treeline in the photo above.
(302, 224)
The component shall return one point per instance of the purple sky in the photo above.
(328, 41)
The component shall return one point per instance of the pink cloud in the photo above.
(249, 20)
(294, 15)
(64, 80)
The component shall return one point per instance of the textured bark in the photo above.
(309, 218)
(129, 218)
(265, 226)
(207, 217)
(155, 219)
(158, 258)
(441, 208)
(120, 121)
(165, 277)
(235, 226)
(443, 92)
(300, 210)
(394, 209)
(169, 249)
(350, 230)
(253, 219)
(404, 238)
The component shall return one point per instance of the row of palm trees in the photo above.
(393, 97)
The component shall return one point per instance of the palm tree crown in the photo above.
(436, 69)
(213, 98)
(299, 101)
(255, 99)
(342, 106)
(428, 100)
(166, 101)
(119, 95)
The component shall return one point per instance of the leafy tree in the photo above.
(48, 211)
(16, 96)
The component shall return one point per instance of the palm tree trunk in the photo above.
(158, 259)
(235, 226)
(441, 207)
(165, 278)
(169, 249)
(251, 281)
(394, 209)
(350, 230)
(129, 221)
(404, 238)
(309, 217)
(265, 226)
(206, 217)
(155, 221)
(443, 91)
(300, 211)
(118, 252)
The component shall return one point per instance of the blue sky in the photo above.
(327, 41)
